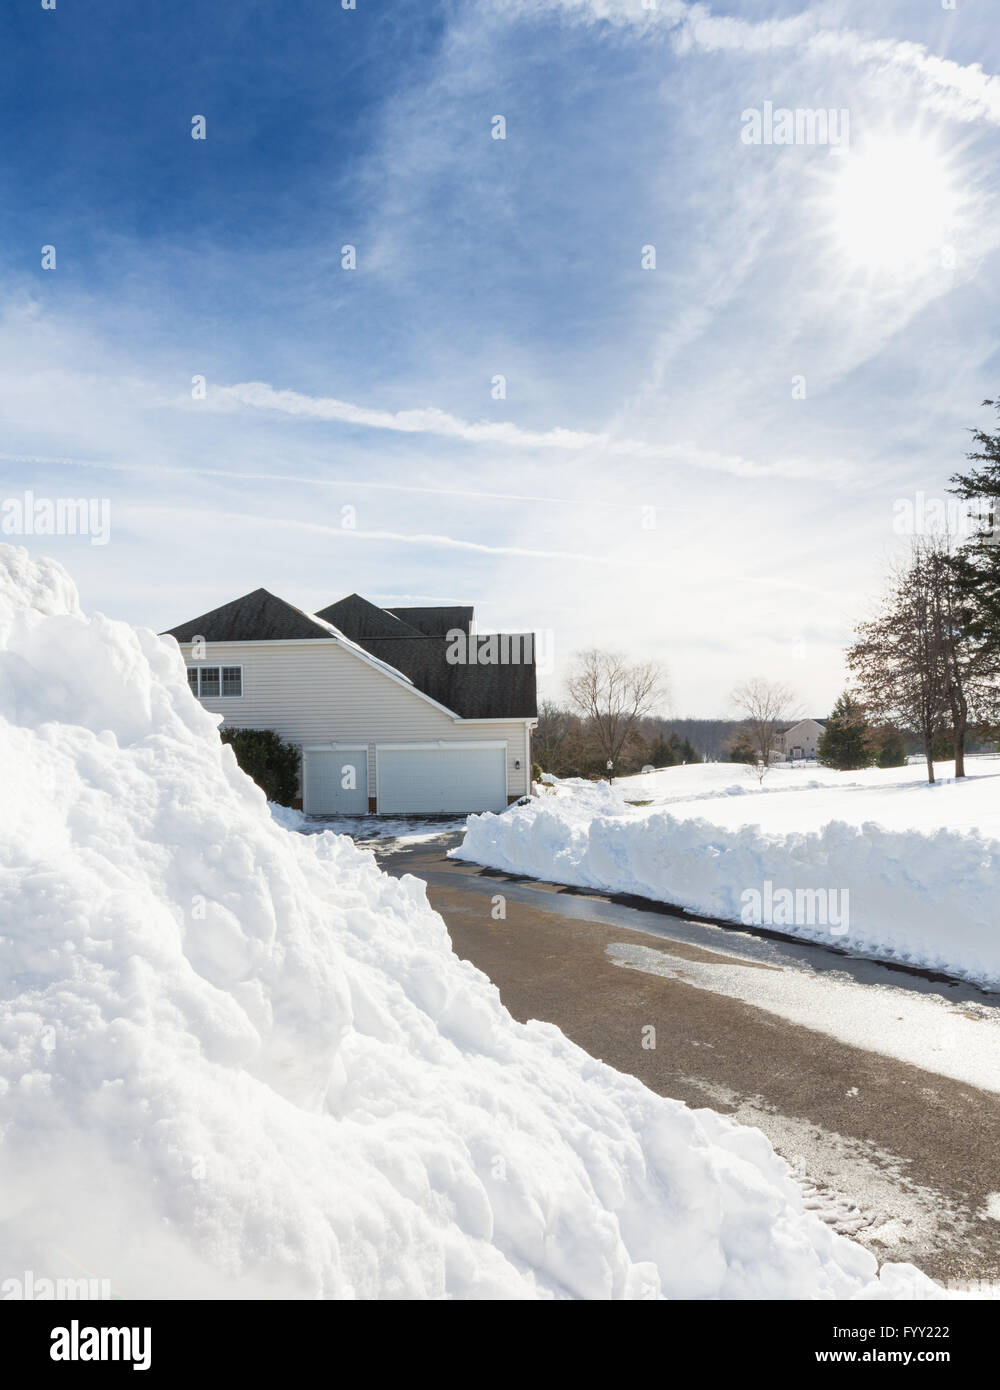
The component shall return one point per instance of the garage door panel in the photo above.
(324, 775)
(441, 779)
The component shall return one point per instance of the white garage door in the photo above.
(439, 778)
(335, 781)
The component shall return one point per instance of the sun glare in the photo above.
(894, 206)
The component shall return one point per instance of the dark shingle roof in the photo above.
(419, 649)
(356, 618)
(436, 622)
(472, 691)
(256, 617)
(489, 691)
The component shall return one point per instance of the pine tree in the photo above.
(888, 747)
(845, 744)
(741, 749)
(974, 601)
(660, 753)
(978, 561)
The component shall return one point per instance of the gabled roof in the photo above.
(256, 617)
(473, 691)
(357, 618)
(436, 622)
(470, 690)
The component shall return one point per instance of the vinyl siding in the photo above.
(318, 692)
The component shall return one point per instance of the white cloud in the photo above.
(430, 420)
(963, 92)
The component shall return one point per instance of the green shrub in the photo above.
(741, 750)
(269, 760)
(536, 772)
(890, 749)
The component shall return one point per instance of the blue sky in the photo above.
(871, 273)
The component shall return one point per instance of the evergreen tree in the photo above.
(741, 749)
(975, 607)
(658, 752)
(888, 747)
(978, 561)
(845, 744)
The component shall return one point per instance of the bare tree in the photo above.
(766, 707)
(555, 741)
(905, 661)
(613, 695)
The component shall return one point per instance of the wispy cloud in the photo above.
(430, 420)
(314, 480)
(962, 91)
(428, 540)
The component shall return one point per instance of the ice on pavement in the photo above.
(238, 1061)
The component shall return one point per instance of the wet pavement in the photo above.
(879, 1084)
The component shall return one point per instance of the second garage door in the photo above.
(441, 778)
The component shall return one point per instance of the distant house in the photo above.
(799, 741)
(396, 710)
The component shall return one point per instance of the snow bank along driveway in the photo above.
(876, 862)
(240, 1061)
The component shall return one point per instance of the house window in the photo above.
(209, 678)
(209, 682)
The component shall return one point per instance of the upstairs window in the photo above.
(209, 682)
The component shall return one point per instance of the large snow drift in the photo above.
(905, 871)
(239, 1061)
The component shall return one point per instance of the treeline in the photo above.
(567, 744)
(570, 745)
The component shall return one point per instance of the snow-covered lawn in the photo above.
(877, 862)
(240, 1061)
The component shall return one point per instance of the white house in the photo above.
(395, 710)
(799, 741)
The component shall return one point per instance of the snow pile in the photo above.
(877, 862)
(402, 830)
(237, 1061)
